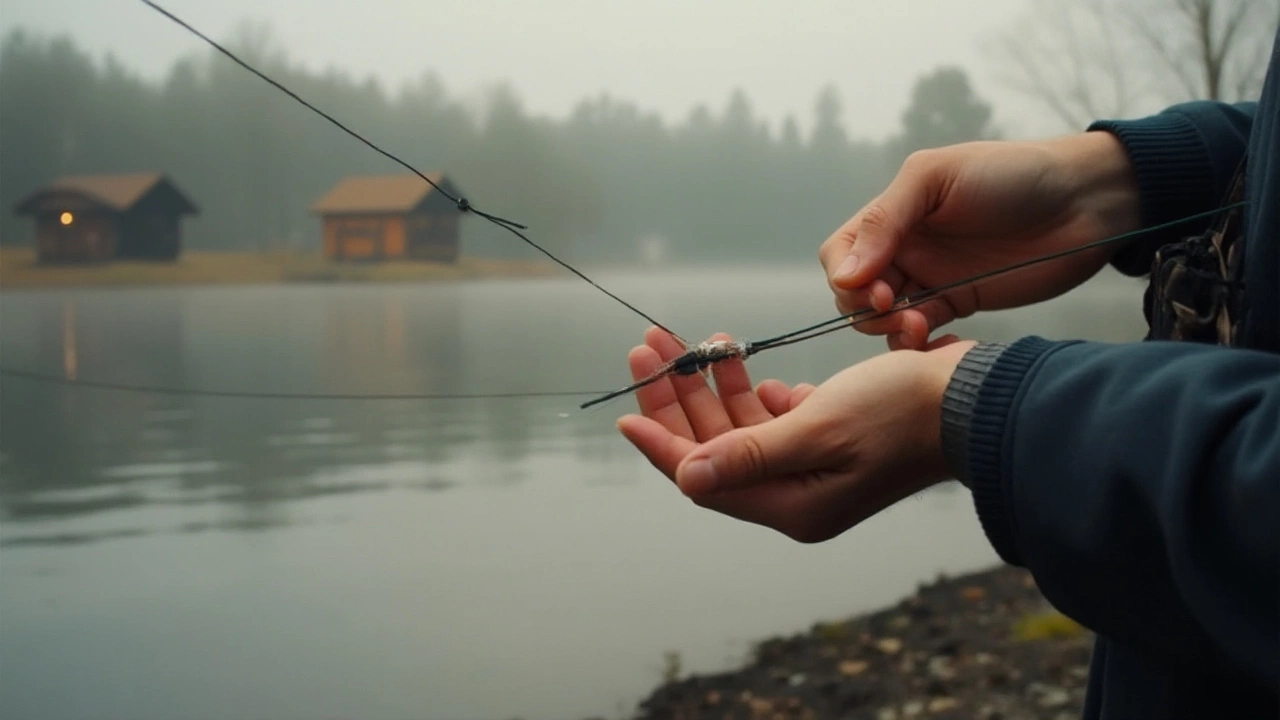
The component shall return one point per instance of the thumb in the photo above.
(749, 456)
(885, 221)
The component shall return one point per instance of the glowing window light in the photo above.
(67, 218)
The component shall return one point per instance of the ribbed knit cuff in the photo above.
(958, 401)
(1175, 176)
(988, 474)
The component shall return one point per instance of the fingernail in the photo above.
(699, 476)
(847, 267)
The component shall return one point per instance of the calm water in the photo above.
(173, 557)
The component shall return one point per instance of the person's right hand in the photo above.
(962, 210)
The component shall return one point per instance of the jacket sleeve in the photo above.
(1139, 484)
(1184, 159)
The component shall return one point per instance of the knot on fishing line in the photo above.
(464, 205)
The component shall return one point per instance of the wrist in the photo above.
(941, 365)
(1102, 176)
(959, 402)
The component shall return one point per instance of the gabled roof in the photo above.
(377, 193)
(117, 192)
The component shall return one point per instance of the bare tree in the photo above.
(1087, 59)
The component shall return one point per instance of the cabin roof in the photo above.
(377, 193)
(117, 192)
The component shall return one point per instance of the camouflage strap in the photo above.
(1195, 294)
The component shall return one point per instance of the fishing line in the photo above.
(705, 355)
(926, 295)
(462, 203)
(825, 327)
(687, 363)
(122, 387)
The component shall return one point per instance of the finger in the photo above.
(836, 247)
(658, 400)
(914, 333)
(935, 313)
(775, 395)
(799, 393)
(749, 456)
(705, 413)
(779, 399)
(663, 448)
(733, 386)
(878, 294)
(881, 294)
(943, 341)
(885, 221)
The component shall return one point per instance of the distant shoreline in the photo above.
(19, 271)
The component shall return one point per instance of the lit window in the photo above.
(67, 218)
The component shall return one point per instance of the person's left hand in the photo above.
(808, 462)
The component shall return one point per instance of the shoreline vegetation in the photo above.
(20, 271)
(983, 646)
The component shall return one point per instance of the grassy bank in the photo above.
(19, 270)
(984, 646)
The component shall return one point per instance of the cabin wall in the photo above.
(353, 237)
(433, 237)
(365, 237)
(91, 237)
(149, 235)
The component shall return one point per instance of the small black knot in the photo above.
(463, 204)
(688, 363)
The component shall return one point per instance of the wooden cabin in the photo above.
(390, 217)
(97, 218)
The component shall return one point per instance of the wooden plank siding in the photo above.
(97, 218)
(390, 217)
(416, 236)
(91, 237)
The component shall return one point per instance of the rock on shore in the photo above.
(985, 646)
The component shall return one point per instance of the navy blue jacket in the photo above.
(1140, 483)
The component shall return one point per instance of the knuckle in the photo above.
(824, 252)
(875, 216)
(920, 159)
(752, 457)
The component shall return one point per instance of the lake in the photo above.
(166, 556)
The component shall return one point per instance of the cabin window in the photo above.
(67, 218)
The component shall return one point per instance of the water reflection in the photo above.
(70, 452)
(502, 544)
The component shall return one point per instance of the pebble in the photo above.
(853, 668)
(1055, 697)
(943, 704)
(940, 668)
(889, 646)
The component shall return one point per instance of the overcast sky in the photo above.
(666, 55)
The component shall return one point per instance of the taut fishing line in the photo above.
(695, 360)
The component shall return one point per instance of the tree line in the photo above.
(718, 185)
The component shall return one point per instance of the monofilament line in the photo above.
(462, 203)
(251, 395)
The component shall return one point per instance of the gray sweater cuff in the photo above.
(958, 402)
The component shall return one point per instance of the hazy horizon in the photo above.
(671, 58)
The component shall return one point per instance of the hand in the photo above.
(958, 211)
(808, 462)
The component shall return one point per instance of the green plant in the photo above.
(1046, 625)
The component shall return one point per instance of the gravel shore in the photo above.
(984, 646)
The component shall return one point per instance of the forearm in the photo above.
(1183, 160)
(1138, 483)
